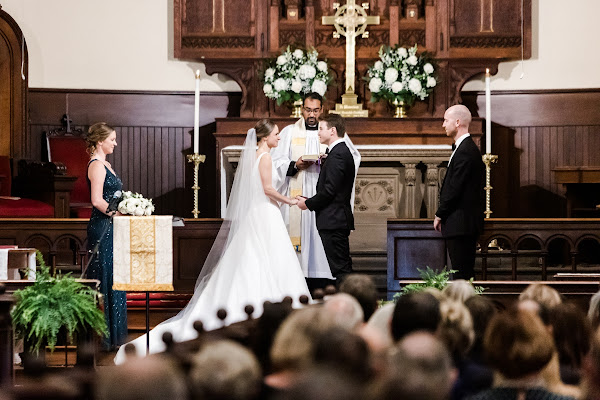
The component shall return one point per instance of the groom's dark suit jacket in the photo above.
(462, 197)
(334, 190)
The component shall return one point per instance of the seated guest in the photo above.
(345, 310)
(323, 384)
(455, 329)
(153, 377)
(224, 370)
(541, 294)
(572, 333)
(381, 321)
(518, 347)
(551, 373)
(363, 289)
(346, 352)
(594, 310)
(418, 311)
(459, 290)
(420, 367)
(591, 370)
(474, 373)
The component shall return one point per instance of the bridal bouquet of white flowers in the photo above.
(135, 204)
(401, 75)
(295, 73)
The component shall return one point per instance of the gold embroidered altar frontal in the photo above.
(143, 253)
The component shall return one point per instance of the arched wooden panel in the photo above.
(13, 88)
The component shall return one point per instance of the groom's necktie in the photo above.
(327, 151)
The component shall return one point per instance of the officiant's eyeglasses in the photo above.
(312, 110)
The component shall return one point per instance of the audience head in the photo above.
(572, 334)
(419, 368)
(536, 308)
(323, 384)
(482, 311)
(263, 128)
(417, 311)
(456, 328)
(363, 289)
(344, 310)
(97, 133)
(591, 370)
(517, 344)
(594, 310)
(340, 350)
(381, 321)
(293, 346)
(541, 294)
(152, 377)
(224, 370)
(459, 290)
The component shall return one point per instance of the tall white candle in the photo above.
(488, 114)
(197, 114)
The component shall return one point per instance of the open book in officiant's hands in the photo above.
(310, 157)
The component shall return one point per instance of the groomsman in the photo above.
(332, 203)
(462, 200)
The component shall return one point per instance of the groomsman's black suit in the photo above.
(462, 202)
(333, 209)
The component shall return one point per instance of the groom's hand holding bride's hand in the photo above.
(301, 202)
(293, 202)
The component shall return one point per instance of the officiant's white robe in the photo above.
(312, 255)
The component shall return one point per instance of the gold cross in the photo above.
(350, 20)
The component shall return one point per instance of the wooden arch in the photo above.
(13, 88)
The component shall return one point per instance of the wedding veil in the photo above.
(246, 192)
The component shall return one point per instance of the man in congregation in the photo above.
(296, 172)
(462, 199)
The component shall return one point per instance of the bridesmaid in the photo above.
(103, 183)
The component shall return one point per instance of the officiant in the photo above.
(295, 172)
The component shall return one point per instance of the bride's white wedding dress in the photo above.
(251, 261)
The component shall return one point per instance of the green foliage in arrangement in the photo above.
(55, 304)
(432, 279)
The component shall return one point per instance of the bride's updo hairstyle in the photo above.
(98, 132)
(263, 128)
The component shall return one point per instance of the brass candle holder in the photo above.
(196, 159)
(488, 160)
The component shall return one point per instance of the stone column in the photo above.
(432, 189)
(410, 191)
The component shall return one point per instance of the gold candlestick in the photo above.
(196, 159)
(488, 160)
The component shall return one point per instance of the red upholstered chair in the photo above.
(69, 148)
(13, 207)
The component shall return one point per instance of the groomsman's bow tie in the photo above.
(453, 146)
(327, 150)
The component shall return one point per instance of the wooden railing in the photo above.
(520, 249)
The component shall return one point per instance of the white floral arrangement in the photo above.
(135, 204)
(402, 75)
(295, 73)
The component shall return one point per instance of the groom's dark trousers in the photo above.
(333, 209)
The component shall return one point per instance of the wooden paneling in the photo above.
(13, 87)
(528, 249)
(534, 132)
(154, 137)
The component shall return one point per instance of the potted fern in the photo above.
(432, 279)
(55, 304)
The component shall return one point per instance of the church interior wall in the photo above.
(115, 60)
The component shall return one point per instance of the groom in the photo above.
(334, 191)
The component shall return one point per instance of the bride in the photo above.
(252, 259)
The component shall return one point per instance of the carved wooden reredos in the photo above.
(232, 37)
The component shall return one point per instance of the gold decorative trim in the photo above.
(144, 287)
(142, 236)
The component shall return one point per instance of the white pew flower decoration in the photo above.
(401, 76)
(135, 204)
(295, 73)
